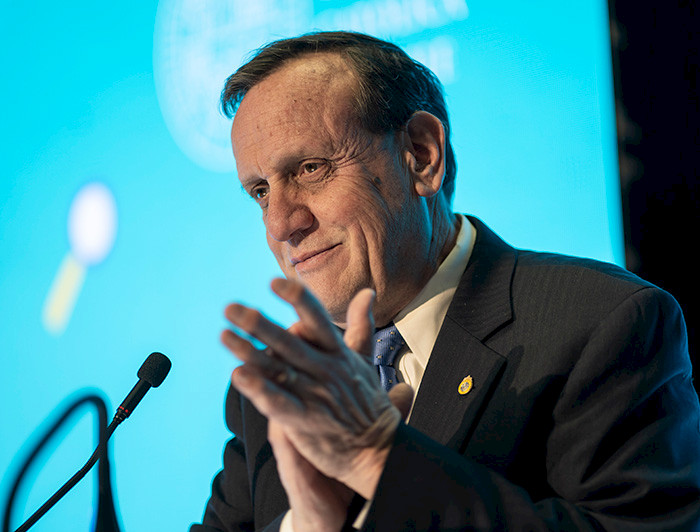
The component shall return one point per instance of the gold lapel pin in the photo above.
(466, 385)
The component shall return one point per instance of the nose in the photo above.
(287, 215)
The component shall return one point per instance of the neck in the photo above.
(453, 225)
(445, 226)
(440, 237)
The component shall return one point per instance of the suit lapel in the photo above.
(440, 411)
(482, 304)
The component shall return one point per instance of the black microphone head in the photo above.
(154, 369)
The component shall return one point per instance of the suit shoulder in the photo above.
(584, 287)
(565, 269)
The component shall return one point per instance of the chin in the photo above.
(336, 306)
(333, 299)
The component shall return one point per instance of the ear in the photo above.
(427, 152)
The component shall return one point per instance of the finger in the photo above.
(360, 322)
(279, 374)
(401, 397)
(289, 347)
(244, 351)
(304, 386)
(316, 501)
(276, 437)
(289, 461)
(284, 403)
(317, 325)
(284, 450)
(271, 400)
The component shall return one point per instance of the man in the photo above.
(552, 393)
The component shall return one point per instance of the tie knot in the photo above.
(387, 343)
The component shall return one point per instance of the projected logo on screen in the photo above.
(198, 44)
(92, 228)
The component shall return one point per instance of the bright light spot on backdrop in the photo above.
(129, 93)
(92, 227)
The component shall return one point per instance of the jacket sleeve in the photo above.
(623, 452)
(230, 507)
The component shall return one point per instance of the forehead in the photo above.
(308, 99)
(306, 79)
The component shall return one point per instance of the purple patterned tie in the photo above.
(387, 344)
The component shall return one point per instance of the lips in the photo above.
(310, 257)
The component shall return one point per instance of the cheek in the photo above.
(372, 222)
(362, 211)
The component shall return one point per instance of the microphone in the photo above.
(151, 374)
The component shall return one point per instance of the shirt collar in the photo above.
(420, 321)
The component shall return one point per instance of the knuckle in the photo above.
(277, 335)
(276, 402)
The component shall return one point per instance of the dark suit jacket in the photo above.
(582, 414)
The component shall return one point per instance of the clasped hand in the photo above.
(318, 390)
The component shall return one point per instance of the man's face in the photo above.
(338, 203)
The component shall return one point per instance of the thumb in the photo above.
(401, 397)
(360, 322)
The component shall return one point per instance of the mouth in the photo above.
(310, 258)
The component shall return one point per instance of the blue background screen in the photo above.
(124, 230)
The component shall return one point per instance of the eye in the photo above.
(259, 193)
(310, 167)
(313, 171)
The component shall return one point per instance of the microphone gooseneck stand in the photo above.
(151, 374)
(106, 515)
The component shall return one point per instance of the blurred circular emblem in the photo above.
(197, 44)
